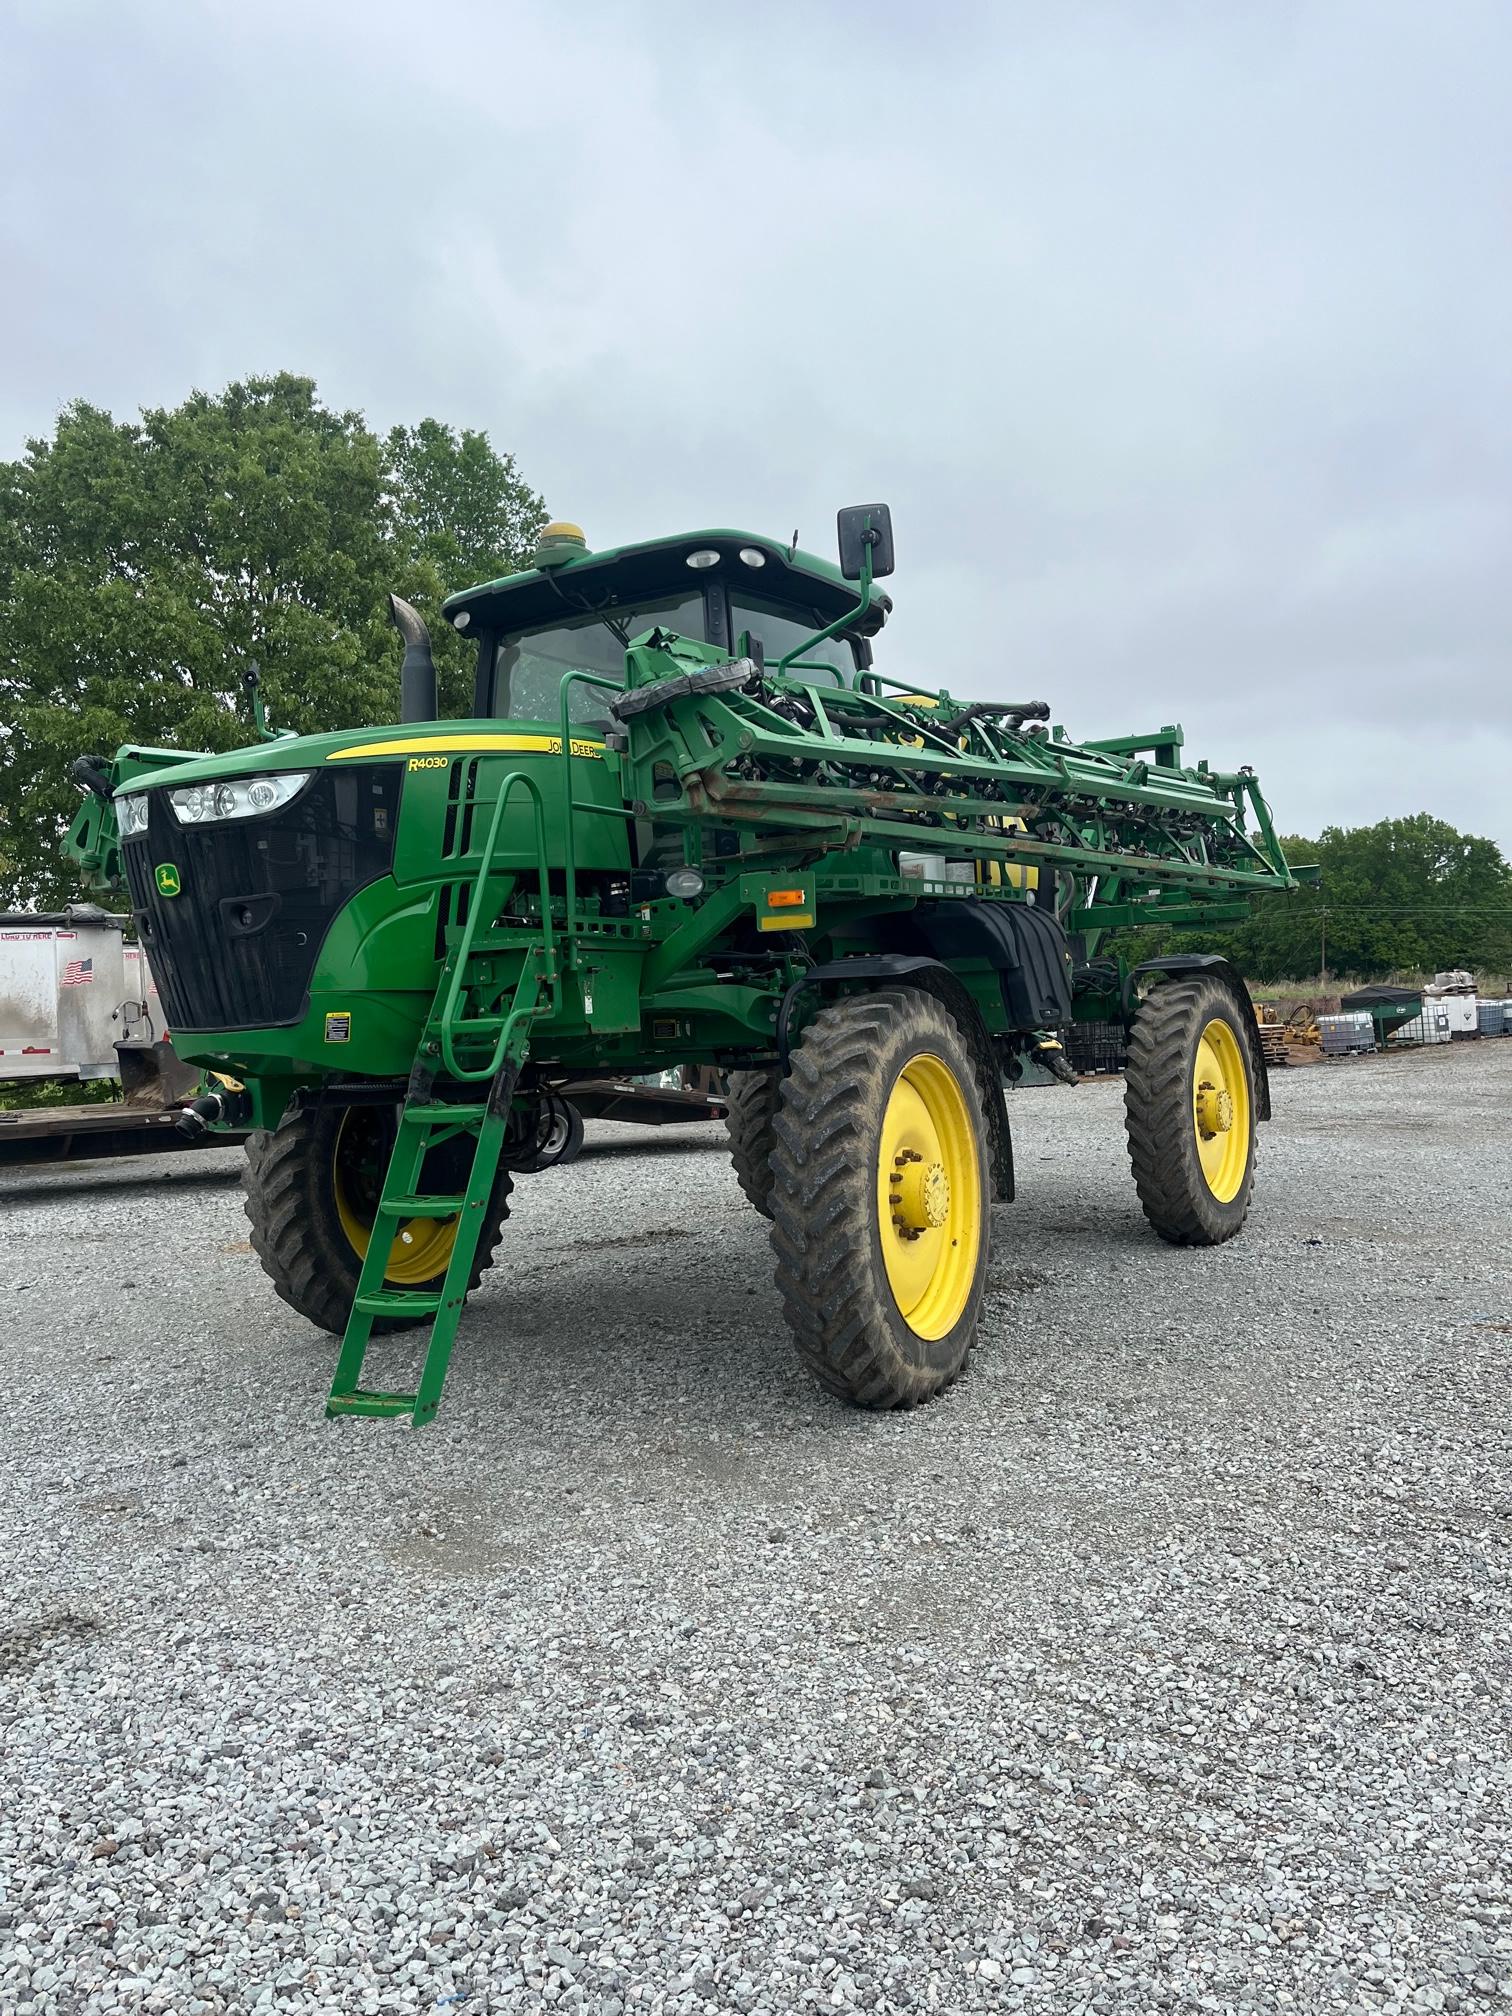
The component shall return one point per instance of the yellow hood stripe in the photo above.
(460, 745)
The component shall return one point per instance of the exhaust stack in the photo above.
(417, 674)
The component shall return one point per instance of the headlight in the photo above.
(237, 798)
(131, 814)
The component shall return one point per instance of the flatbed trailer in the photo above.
(95, 1133)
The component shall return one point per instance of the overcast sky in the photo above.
(1178, 336)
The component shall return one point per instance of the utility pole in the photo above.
(1323, 950)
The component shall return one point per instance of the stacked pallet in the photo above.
(1273, 1042)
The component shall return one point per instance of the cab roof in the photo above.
(658, 567)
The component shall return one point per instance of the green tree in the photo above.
(461, 514)
(1408, 895)
(458, 502)
(144, 566)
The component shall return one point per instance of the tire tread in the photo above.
(1158, 1114)
(751, 1105)
(843, 1321)
(296, 1234)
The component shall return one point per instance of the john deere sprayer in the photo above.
(687, 822)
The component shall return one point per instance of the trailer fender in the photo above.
(1172, 965)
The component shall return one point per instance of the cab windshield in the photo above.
(530, 668)
(527, 676)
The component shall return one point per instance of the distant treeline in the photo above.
(1407, 896)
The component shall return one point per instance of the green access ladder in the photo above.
(449, 1048)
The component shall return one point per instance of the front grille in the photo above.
(235, 948)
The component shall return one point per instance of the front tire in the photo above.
(880, 1198)
(311, 1187)
(1190, 1108)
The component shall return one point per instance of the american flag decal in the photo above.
(79, 973)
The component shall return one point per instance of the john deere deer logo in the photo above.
(167, 878)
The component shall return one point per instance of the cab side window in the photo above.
(780, 630)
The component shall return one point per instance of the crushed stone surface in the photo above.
(1164, 1664)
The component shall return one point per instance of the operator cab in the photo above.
(576, 611)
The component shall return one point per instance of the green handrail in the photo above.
(452, 1022)
(569, 807)
(841, 622)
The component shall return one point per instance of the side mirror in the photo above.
(861, 526)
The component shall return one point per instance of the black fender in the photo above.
(931, 976)
(1024, 945)
(1172, 965)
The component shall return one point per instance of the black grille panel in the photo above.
(236, 947)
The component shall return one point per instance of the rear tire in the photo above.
(1190, 1107)
(751, 1109)
(880, 1198)
(298, 1180)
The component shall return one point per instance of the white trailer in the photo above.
(76, 1001)
(62, 988)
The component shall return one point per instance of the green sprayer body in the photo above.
(685, 812)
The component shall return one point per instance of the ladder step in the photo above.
(422, 1207)
(398, 1302)
(371, 1403)
(433, 1120)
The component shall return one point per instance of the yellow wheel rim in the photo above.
(1221, 1113)
(929, 1197)
(422, 1246)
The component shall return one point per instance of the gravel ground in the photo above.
(1164, 1664)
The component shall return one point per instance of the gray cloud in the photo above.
(1179, 338)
